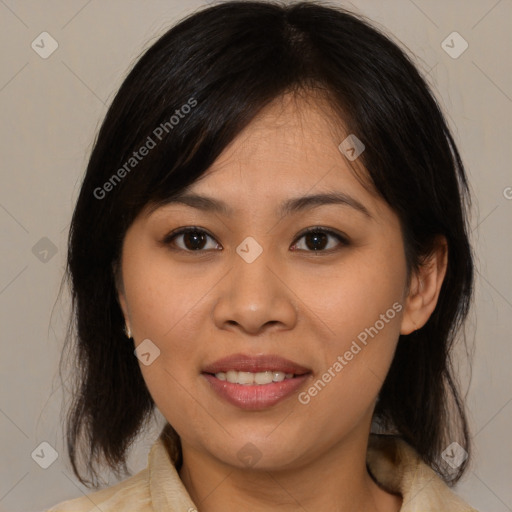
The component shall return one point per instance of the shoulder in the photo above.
(399, 469)
(131, 495)
(158, 487)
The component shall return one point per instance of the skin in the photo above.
(199, 306)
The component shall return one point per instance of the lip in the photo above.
(255, 397)
(261, 363)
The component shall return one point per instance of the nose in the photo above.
(255, 296)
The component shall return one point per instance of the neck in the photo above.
(335, 480)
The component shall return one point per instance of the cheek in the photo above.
(353, 296)
(165, 308)
(359, 310)
(356, 358)
(163, 299)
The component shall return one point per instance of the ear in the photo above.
(424, 288)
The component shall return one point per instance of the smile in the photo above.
(254, 382)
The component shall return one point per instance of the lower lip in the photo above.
(254, 397)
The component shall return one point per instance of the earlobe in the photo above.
(425, 287)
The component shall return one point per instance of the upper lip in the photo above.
(261, 363)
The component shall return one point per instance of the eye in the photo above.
(193, 238)
(317, 238)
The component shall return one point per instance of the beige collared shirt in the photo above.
(158, 487)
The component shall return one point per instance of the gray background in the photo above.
(51, 109)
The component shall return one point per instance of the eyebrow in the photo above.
(288, 207)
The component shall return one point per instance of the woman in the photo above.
(270, 245)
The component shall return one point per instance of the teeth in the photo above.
(245, 378)
(263, 378)
(231, 376)
(278, 376)
(248, 378)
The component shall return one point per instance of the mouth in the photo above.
(255, 382)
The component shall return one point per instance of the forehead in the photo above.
(290, 149)
(291, 129)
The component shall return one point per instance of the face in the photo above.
(249, 283)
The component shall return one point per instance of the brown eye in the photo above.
(193, 239)
(317, 239)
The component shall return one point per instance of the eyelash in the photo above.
(169, 238)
